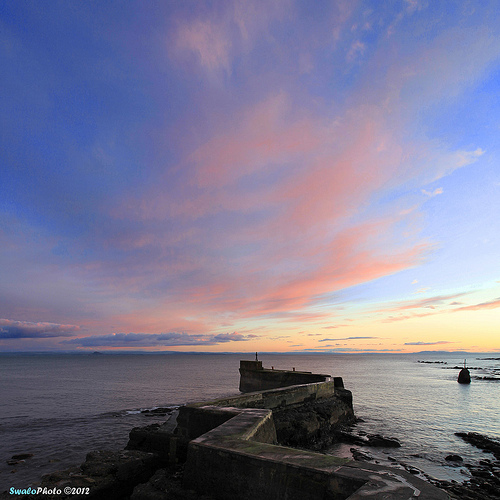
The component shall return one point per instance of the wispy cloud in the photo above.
(431, 194)
(208, 41)
(215, 37)
(438, 305)
(430, 343)
(492, 304)
(347, 338)
(427, 303)
(350, 349)
(356, 50)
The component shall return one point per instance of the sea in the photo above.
(58, 407)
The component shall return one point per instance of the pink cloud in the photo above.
(277, 205)
(430, 302)
(438, 306)
(273, 212)
(493, 304)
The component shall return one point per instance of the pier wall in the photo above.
(277, 398)
(240, 459)
(255, 378)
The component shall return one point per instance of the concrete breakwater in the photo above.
(235, 448)
(254, 377)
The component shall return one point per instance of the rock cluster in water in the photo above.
(484, 483)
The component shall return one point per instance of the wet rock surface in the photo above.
(484, 483)
(484, 476)
(482, 442)
(361, 439)
(312, 425)
(19, 458)
(158, 412)
(105, 475)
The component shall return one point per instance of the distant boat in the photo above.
(464, 375)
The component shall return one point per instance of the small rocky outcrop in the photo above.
(312, 425)
(105, 475)
(482, 442)
(371, 440)
(19, 458)
(484, 482)
(464, 376)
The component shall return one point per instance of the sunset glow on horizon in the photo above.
(250, 176)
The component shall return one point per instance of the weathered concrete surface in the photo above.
(166, 484)
(278, 398)
(304, 415)
(234, 461)
(232, 450)
(232, 453)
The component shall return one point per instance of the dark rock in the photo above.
(314, 424)
(373, 440)
(359, 456)
(482, 442)
(454, 458)
(109, 475)
(434, 362)
(456, 367)
(158, 411)
(22, 456)
(485, 481)
(377, 440)
(464, 376)
(484, 474)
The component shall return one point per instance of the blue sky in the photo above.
(242, 176)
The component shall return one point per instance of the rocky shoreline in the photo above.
(484, 482)
(147, 475)
(152, 465)
(485, 475)
(143, 475)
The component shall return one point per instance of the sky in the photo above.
(241, 176)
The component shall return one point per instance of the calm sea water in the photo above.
(59, 407)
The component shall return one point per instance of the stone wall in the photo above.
(255, 378)
(238, 460)
(232, 452)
